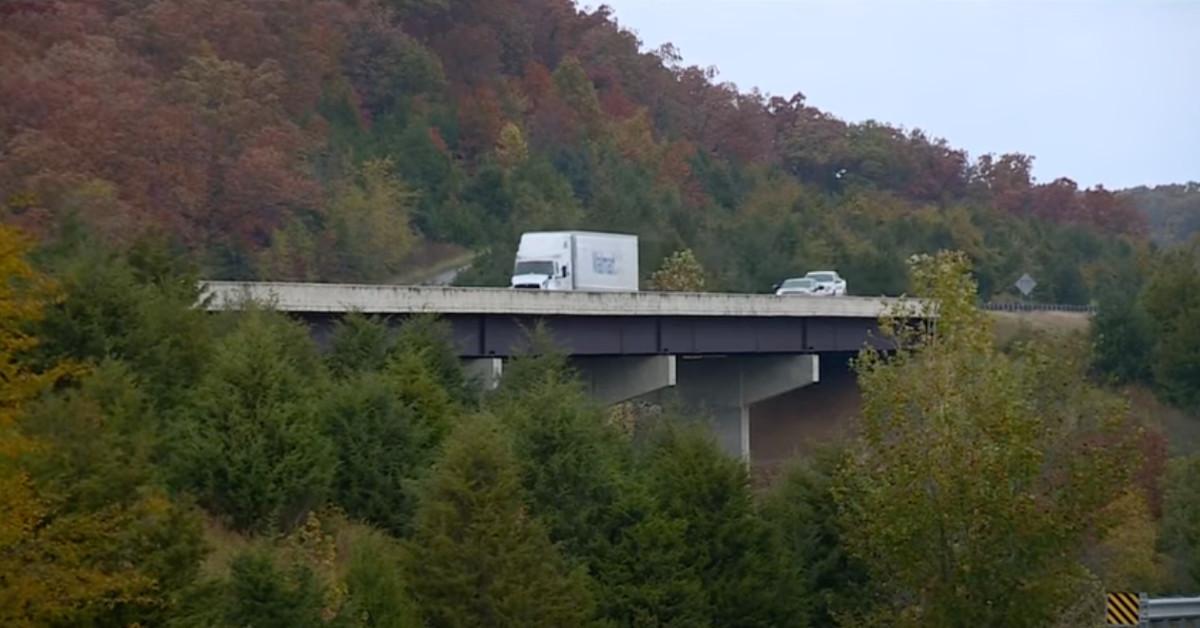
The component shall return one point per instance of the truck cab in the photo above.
(543, 262)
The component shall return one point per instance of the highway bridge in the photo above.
(723, 353)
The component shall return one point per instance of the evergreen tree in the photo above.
(384, 430)
(359, 343)
(1122, 339)
(1181, 524)
(1172, 299)
(802, 510)
(284, 580)
(579, 478)
(378, 596)
(250, 444)
(648, 575)
(570, 460)
(477, 557)
(137, 306)
(431, 341)
(260, 594)
(746, 575)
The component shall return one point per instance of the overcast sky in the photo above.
(1102, 91)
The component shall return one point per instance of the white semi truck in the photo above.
(577, 260)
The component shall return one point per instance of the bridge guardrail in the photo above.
(1038, 307)
(1172, 611)
(1134, 609)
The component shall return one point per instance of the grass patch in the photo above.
(1009, 326)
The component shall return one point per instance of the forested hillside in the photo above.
(1173, 211)
(334, 139)
(160, 466)
(165, 466)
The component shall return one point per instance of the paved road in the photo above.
(446, 277)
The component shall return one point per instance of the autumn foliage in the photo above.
(312, 140)
(163, 466)
(679, 273)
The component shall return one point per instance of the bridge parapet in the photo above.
(383, 299)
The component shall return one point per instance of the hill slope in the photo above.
(324, 140)
(1173, 211)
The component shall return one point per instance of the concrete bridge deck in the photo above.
(494, 322)
(383, 299)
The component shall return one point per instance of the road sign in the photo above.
(1026, 284)
(1123, 609)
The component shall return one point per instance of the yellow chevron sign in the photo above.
(1123, 609)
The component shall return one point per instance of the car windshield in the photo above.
(822, 277)
(798, 283)
(534, 268)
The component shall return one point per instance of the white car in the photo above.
(828, 283)
(796, 285)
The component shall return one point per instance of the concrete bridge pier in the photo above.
(724, 388)
(485, 372)
(611, 380)
(720, 388)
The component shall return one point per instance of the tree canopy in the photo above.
(338, 140)
(980, 478)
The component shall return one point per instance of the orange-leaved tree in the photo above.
(52, 567)
(24, 294)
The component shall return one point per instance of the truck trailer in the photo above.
(584, 261)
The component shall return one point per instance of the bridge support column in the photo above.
(611, 380)
(725, 387)
(485, 372)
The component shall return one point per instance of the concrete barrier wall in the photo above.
(379, 299)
